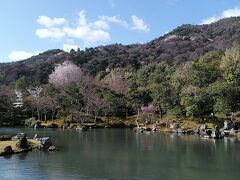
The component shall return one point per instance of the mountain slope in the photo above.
(184, 43)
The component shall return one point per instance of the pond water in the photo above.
(124, 154)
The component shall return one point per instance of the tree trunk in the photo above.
(39, 118)
(126, 110)
(53, 112)
(95, 120)
(138, 112)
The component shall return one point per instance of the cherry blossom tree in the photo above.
(64, 74)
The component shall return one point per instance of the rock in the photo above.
(81, 128)
(227, 125)
(174, 126)
(35, 136)
(36, 124)
(148, 129)
(52, 148)
(202, 127)
(154, 128)
(180, 131)
(8, 150)
(18, 136)
(65, 126)
(45, 143)
(216, 132)
(225, 133)
(22, 143)
(232, 132)
(207, 132)
(189, 131)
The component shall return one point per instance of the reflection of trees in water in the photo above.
(113, 153)
(144, 141)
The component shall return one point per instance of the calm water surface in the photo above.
(123, 154)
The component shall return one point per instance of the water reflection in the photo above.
(124, 154)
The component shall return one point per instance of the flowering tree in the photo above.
(64, 74)
(148, 109)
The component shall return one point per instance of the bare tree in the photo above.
(116, 82)
(36, 92)
(95, 103)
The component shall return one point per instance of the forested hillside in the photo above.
(191, 72)
(183, 44)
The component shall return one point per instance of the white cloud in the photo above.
(90, 32)
(231, 12)
(209, 20)
(100, 24)
(20, 55)
(54, 33)
(49, 22)
(225, 14)
(82, 18)
(114, 19)
(138, 24)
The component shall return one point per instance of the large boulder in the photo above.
(36, 124)
(45, 143)
(22, 143)
(8, 150)
(52, 148)
(174, 126)
(216, 132)
(227, 125)
(232, 132)
(35, 136)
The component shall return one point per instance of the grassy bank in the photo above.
(3, 144)
(162, 124)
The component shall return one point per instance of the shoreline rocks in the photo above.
(20, 143)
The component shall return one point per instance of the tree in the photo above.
(53, 95)
(116, 82)
(95, 102)
(160, 88)
(230, 65)
(36, 93)
(64, 74)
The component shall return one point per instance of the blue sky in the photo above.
(28, 27)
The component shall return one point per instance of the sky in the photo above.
(29, 27)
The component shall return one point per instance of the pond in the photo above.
(124, 154)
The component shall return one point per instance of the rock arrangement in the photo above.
(23, 145)
(216, 132)
(23, 142)
(8, 150)
(44, 143)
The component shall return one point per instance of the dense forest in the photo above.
(191, 72)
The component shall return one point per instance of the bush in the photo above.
(30, 121)
(5, 137)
